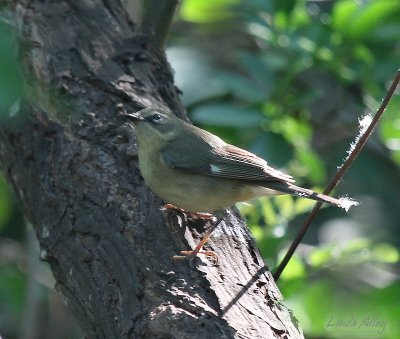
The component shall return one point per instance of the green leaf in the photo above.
(273, 148)
(242, 87)
(318, 297)
(259, 68)
(12, 289)
(257, 232)
(5, 203)
(11, 82)
(303, 205)
(193, 67)
(390, 128)
(343, 12)
(359, 20)
(285, 205)
(201, 11)
(268, 211)
(226, 115)
(356, 245)
(296, 131)
(385, 253)
(316, 170)
(320, 256)
(294, 270)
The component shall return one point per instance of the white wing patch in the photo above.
(215, 168)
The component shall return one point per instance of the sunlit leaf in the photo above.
(318, 300)
(390, 128)
(343, 12)
(201, 11)
(358, 20)
(356, 245)
(385, 252)
(257, 232)
(303, 205)
(320, 256)
(294, 270)
(363, 53)
(286, 205)
(296, 131)
(268, 211)
(316, 170)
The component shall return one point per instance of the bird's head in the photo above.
(155, 124)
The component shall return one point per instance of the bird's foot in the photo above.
(198, 249)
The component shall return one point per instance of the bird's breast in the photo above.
(193, 192)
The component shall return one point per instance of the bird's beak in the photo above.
(134, 117)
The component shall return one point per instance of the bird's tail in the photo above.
(285, 187)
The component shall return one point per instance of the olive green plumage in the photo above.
(197, 171)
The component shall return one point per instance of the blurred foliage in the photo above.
(11, 88)
(289, 81)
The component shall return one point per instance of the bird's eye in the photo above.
(156, 117)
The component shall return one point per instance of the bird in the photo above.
(197, 172)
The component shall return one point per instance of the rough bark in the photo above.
(73, 165)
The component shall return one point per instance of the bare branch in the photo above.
(355, 150)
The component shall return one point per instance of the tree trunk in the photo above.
(73, 165)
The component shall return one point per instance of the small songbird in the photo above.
(197, 171)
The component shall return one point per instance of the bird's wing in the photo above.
(220, 160)
(237, 163)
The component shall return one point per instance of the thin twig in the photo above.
(342, 170)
